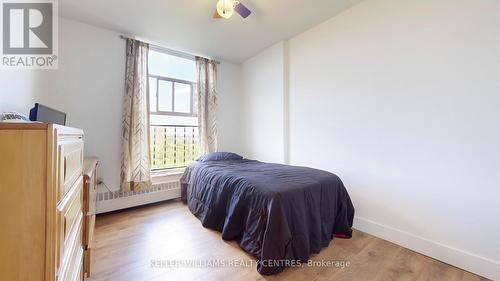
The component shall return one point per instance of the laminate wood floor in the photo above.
(145, 243)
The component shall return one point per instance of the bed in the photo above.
(280, 214)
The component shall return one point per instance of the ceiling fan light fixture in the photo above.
(225, 8)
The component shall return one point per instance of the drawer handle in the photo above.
(65, 168)
(64, 227)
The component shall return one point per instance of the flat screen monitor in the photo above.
(42, 113)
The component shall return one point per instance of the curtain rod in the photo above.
(167, 50)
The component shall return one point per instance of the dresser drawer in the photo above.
(70, 209)
(79, 273)
(70, 163)
(72, 260)
(69, 222)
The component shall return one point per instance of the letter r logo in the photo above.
(27, 28)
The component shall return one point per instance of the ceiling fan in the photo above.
(226, 8)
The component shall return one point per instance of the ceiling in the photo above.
(187, 25)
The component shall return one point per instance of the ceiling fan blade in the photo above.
(216, 15)
(242, 10)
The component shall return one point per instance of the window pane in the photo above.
(173, 147)
(165, 65)
(182, 98)
(165, 95)
(152, 94)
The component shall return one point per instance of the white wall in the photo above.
(262, 106)
(400, 99)
(21, 89)
(229, 107)
(89, 86)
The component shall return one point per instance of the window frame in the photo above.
(174, 81)
(192, 84)
(193, 111)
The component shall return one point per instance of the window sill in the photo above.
(159, 177)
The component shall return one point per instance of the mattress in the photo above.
(279, 213)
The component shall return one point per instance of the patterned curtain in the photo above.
(207, 104)
(136, 165)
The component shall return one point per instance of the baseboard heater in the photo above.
(115, 200)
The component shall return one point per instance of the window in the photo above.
(174, 122)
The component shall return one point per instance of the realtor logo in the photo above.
(29, 34)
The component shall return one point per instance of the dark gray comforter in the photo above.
(279, 213)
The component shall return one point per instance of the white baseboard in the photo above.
(470, 262)
(113, 201)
